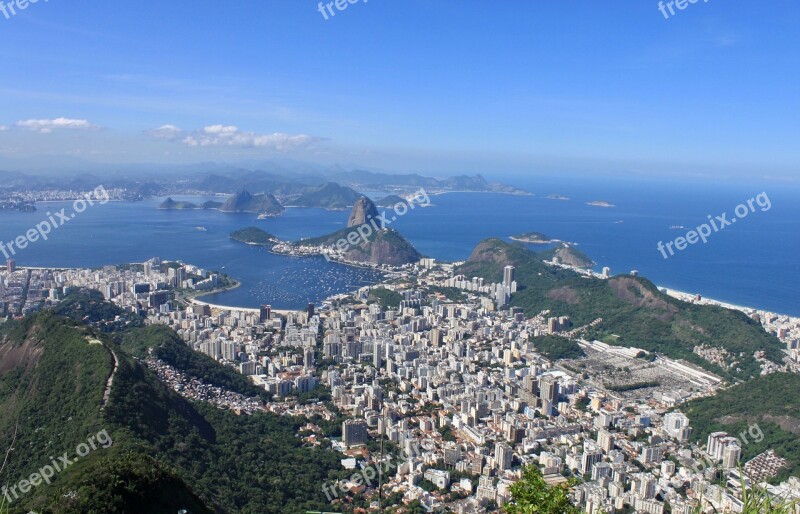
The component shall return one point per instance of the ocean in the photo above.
(753, 262)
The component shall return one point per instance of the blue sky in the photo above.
(435, 86)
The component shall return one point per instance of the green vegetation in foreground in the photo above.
(254, 236)
(555, 347)
(769, 401)
(631, 307)
(167, 454)
(531, 494)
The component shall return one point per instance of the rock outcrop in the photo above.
(363, 212)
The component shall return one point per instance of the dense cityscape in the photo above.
(453, 377)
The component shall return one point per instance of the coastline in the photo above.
(343, 263)
(521, 193)
(282, 312)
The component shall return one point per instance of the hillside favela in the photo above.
(355, 257)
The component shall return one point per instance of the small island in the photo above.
(600, 203)
(390, 201)
(265, 205)
(557, 197)
(254, 236)
(171, 205)
(534, 238)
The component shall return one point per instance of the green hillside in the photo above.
(635, 313)
(386, 246)
(167, 454)
(769, 402)
(170, 348)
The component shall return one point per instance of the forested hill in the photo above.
(167, 454)
(634, 312)
(763, 413)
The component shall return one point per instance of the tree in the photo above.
(532, 495)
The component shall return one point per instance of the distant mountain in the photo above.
(329, 196)
(634, 312)
(369, 181)
(243, 201)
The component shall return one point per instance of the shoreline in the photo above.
(334, 261)
(521, 193)
(281, 312)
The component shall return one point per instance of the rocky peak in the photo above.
(363, 211)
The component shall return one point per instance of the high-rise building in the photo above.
(309, 359)
(11, 265)
(354, 432)
(676, 425)
(508, 275)
(589, 459)
(731, 456)
(158, 299)
(548, 388)
(605, 440)
(266, 313)
(503, 455)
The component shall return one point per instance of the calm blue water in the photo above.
(134, 232)
(754, 262)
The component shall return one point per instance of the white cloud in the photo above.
(3, 128)
(46, 126)
(166, 132)
(228, 135)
